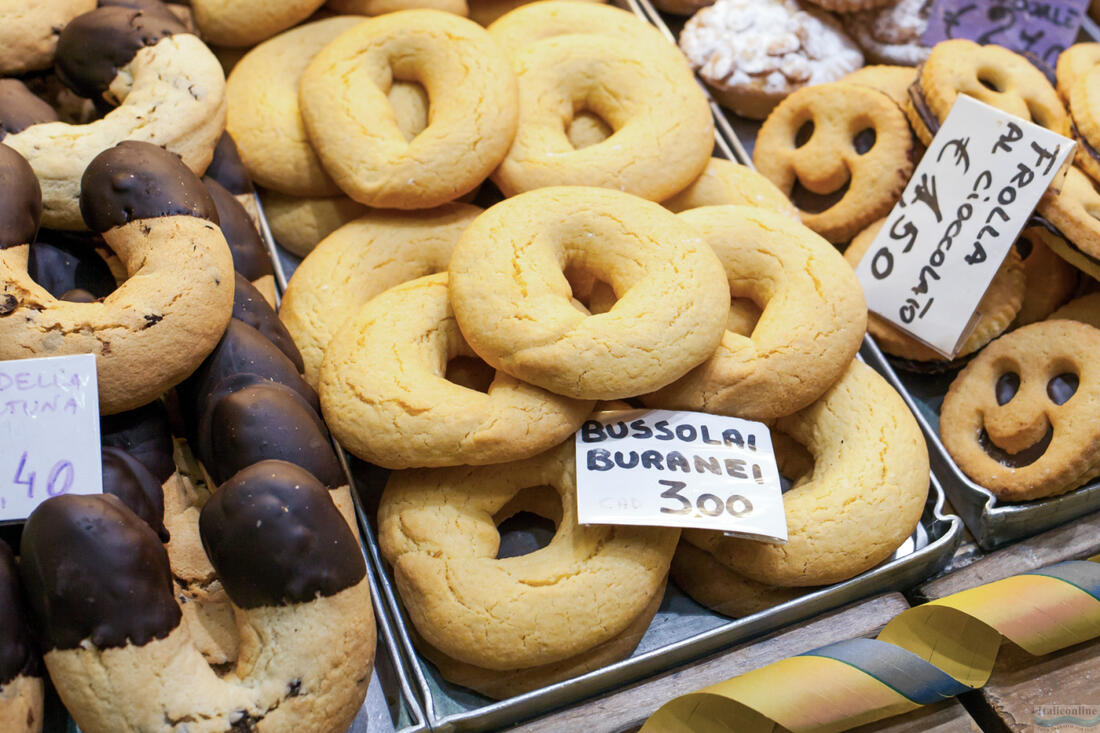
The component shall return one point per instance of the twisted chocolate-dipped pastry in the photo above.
(166, 87)
(21, 685)
(157, 327)
(100, 585)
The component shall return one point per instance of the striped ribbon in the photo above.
(924, 655)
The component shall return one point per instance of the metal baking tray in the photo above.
(993, 523)
(681, 631)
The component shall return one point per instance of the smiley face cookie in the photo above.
(1023, 418)
(990, 74)
(842, 152)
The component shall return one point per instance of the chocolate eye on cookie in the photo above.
(991, 74)
(1023, 418)
(842, 152)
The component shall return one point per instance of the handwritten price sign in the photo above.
(1043, 28)
(966, 203)
(670, 468)
(49, 427)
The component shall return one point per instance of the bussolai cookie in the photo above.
(842, 152)
(514, 304)
(812, 323)
(991, 74)
(1069, 215)
(1023, 418)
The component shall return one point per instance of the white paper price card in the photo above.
(49, 430)
(679, 469)
(967, 201)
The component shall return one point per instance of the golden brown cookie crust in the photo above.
(151, 333)
(29, 31)
(725, 182)
(238, 23)
(584, 588)
(712, 584)
(1050, 279)
(473, 108)
(22, 706)
(386, 398)
(1071, 213)
(664, 131)
(829, 160)
(264, 117)
(893, 81)
(361, 260)
(300, 223)
(1036, 354)
(812, 324)
(514, 304)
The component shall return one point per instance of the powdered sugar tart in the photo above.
(753, 53)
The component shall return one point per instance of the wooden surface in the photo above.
(945, 717)
(1074, 541)
(1023, 687)
(626, 709)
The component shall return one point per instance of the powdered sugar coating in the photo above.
(891, 35)
(769, 46)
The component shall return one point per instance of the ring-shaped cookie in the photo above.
(156, 328)
(28, 31)
(264, 117)
(812, 324)
(664, 131)
(863, 498)
(513, 302)
(239, 23)
(435, 527)
(991, 74)
(537, 21)
(1073, 63)
(169, 87)
(834, 160)
(725, 182)
(386, 398)
(1028, 437)
(471, 89)
(360, 260)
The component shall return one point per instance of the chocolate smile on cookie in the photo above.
(1023, 418)
(842, 152)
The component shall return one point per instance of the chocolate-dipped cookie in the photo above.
(127, 478)
(144, 434)
(166, 85)
(250, 306)
(101, 587)
(65, 261)
(20, 200)
(21, 685)
(159, 325)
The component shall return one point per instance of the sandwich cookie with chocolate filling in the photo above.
(150, 333)
(1069, 215)
(1023, 418)
(991, 74)
(161, 84)
(100, 587)
(842, 152)
(21, 685)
